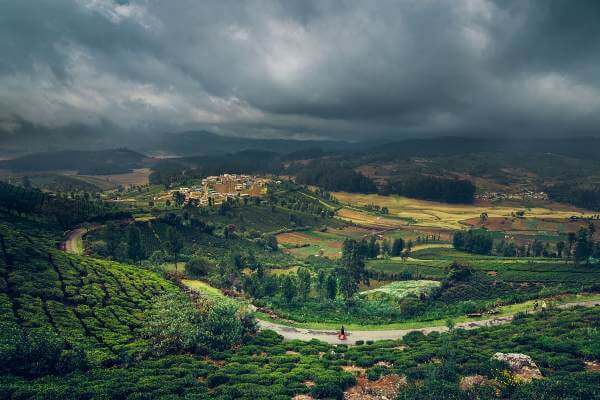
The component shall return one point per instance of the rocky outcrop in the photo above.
(521, 365)
(385, 388)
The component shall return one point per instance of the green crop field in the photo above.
(400, 289)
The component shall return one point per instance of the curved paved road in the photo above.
(330, 336)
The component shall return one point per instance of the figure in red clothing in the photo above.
(342, 334)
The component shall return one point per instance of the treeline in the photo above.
(478, 241)
(579, 246)
(66, 210)
(435, 189)
(580, 196)
(335, 177)
(340, 282)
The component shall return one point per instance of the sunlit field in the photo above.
(439, 215)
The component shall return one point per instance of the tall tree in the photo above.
(175, 244)
(303, 283)
(134, 244)
(571, 238)
(321, 284)
(397, 247)
(353, 269)
(288, 289)
(583, 246)
(332, 286)
(373, 247)
(112, 239)
(560, 247)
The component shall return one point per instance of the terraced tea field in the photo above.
(95, 305)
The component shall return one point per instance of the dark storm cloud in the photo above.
(349, 69)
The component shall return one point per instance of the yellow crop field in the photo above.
(438, 215)
(137, 177)
(365, 219)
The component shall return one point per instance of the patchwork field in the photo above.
(364, 218)
(307, 243)
(527, 226)
(440, 215)
(431, 263)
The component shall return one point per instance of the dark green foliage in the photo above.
(584, 196)
(397, 247)
(436, 189)
(199, 266)
(478, 241)
(335, 177)
(289, 288)
(331, 286)
(34, 352)
(134, 245)
(93, 305)
(304, 283)
(61, 210)
(459, 272)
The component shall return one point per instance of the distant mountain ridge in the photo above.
(578, 147)
(200, 143)
(85, 162)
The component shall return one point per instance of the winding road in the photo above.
(74, 240)
(74, 237)
(330, 336)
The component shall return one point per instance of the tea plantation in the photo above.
(94, 305)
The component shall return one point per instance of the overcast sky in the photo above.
(336, 69)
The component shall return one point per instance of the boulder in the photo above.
(385, 388)
(521, 365)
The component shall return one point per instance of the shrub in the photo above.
(198, 266)
(174, 325)
(220, 326)
(36, 352)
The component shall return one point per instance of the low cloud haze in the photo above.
(94, 70)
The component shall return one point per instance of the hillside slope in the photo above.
(92, 304)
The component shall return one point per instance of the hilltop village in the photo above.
(216, 189)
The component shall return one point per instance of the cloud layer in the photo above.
(337, 69)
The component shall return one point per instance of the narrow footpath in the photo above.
(330, 336)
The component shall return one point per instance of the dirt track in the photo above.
(330, 336)
(73, 238)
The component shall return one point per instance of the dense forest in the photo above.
(436, 189)
(582, 196)
(335, 177)
(64, 210)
